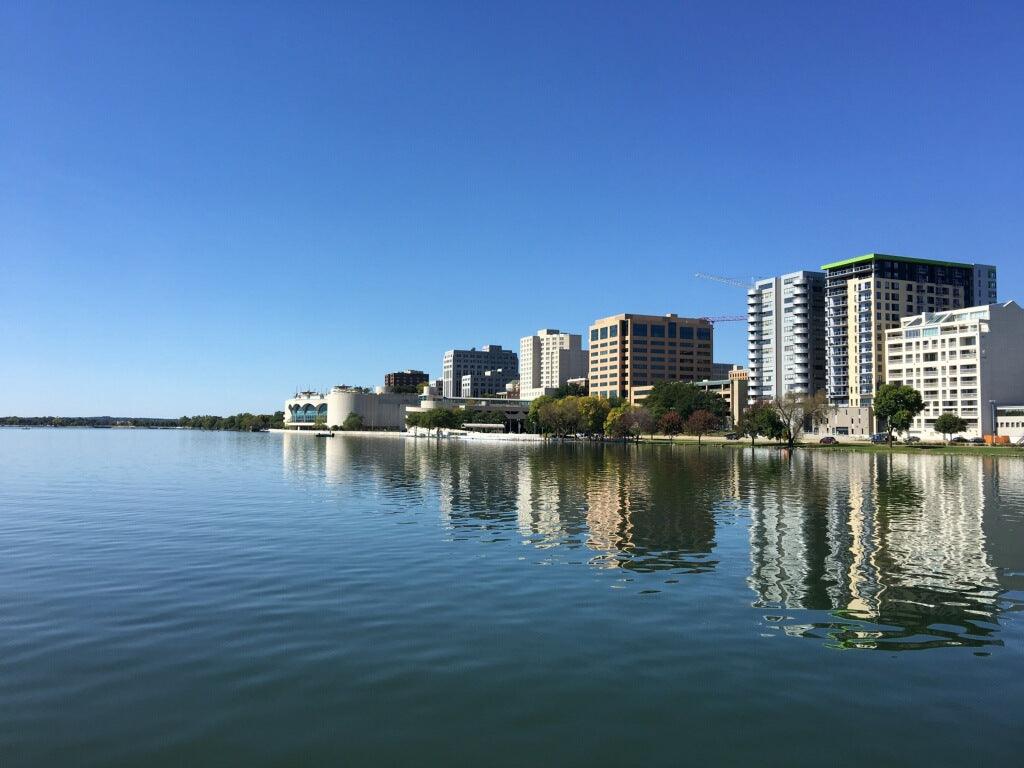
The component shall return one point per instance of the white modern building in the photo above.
(786, 335)
(968, 362)
(461, 362)
(548, 359)
(313, 410)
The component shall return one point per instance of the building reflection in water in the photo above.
(893, 547)
(899, 551)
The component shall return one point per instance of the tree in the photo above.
(949, 424)
(574, 390)
(629, 421)
(353, 422)
(560, 417)
(533, 416)
(701, 422)
(593, 413)
(760, 419)
(671, 423)
(684, 398)
(899, 405)
(797, 411)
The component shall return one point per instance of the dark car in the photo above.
(960, 439)
(977, 441)
(878, 437)
(733, 436)
(912, 439)
(828, 440)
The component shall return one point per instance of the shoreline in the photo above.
(927, 449)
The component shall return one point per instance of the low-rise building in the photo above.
(722, 370)
(1010, 422)
(847, 421)
(319, 410)
(732, 389)
(964, 361)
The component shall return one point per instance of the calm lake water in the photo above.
(189, 598)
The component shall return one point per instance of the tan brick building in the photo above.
(628, 351)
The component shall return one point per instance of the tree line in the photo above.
(240, 422)
(85, 421)
(671, 408)
(452, 418)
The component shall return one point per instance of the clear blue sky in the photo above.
(205, 205)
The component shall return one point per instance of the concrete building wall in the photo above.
(486, 384)
(460, 362)
(548, 359)
(378, 411)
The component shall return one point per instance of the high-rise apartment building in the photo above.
(547, 360)
(965, 361)
(629, 351)
(460, 362)
(786, 335)
(405, 379)
(867, 295)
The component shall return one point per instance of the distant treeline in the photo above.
(84, 421)
(242, 422)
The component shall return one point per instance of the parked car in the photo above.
(828, 440)
(960, 439)
(879, 437)
(977, 441)
(912, 439)
(733, 436)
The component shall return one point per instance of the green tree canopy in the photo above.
(899, 405)
(684, 398)
(629, 421)
(949, 424)
(353, 422)
(760, 419)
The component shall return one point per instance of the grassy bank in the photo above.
(932, 449)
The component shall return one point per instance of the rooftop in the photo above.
(889, 257)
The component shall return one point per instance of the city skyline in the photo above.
(205, 209)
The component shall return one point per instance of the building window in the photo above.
(658, 331)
